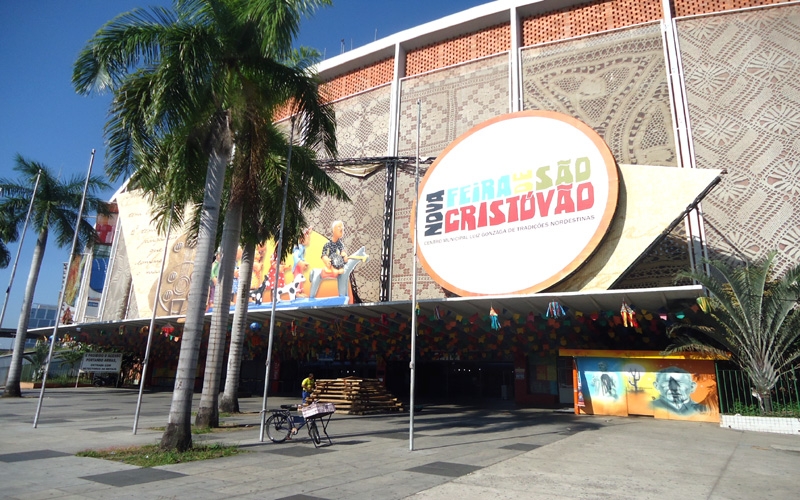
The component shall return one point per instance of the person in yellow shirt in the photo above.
(308, 386)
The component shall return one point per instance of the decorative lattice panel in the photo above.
(592, 17)
(742, 73)
(363, 225)
(362, 124)
(453, 100)
(465, 48)
(689, 7)
(403, 252)
(616, 83)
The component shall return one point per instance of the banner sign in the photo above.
(515, 204)
(101, 362)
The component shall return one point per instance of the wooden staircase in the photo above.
(355, 396)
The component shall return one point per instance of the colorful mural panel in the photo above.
(674, 389)
(317, 273)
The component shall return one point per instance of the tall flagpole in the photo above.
(19, 249)
(278, 253)
(54, 336)
(413, 364)
(143, 376)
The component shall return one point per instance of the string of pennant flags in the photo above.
(499, 332)
(554, 310)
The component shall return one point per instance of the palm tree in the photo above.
(189, 74)
(207, 413)
(307, 183)
(754, 318)
(9, 233)
(55, 208)
(256, 181)
(5, 237)
(5, 256)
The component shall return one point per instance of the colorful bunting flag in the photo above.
(495, 320)
(628, 316)
(554, 310)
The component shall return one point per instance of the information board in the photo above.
(102, 362)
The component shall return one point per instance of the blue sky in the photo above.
(45, 121)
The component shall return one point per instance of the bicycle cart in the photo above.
(282, 424)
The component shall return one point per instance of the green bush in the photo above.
(778, 409)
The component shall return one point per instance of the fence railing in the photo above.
(736, 395)
(58, 369)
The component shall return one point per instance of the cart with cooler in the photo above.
(319, 413)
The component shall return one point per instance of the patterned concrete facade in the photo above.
(605, 63)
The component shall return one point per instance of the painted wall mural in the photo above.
(317, 273)
(674, 389)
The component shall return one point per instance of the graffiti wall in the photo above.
(675, 389)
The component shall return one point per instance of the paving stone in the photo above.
(301, 497)
(520, 447)
(445, 469)
(133, 476)
(298, 451)
(113, 428)
(31, 455)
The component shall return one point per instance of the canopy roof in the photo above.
(650, 299)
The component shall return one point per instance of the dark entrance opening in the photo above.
(463, 382)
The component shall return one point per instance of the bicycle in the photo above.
(281, 424)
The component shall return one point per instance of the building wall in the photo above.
(604, 63)
(617, 83)
(362, 123)
(742, 74)
(359, 80)
(693, 7)
(614, 82)
(591, 17)
(452, 101)
(457, 50)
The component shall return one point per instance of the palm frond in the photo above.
(755, 316)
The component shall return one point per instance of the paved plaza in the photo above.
(461, 452)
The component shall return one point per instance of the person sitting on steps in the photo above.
(308, 385)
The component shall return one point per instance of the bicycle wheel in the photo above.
(278, 428)
(313, 431)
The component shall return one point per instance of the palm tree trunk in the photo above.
(208, 413)
(12, 389)
(230, 399)
(178, 433)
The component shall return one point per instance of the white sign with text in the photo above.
(515, 204)
(102, 362)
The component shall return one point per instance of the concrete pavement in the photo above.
(460, 452)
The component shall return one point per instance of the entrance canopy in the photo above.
(650, 299)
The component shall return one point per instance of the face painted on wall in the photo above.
(675, 388)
